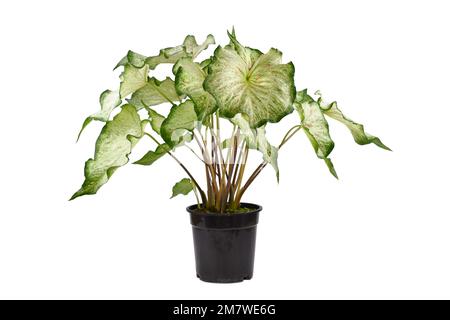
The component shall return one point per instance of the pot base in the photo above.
(224, 281)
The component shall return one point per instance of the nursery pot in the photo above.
(224, 244)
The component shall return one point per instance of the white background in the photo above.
(381, 231)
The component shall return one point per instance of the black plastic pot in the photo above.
(224, 244)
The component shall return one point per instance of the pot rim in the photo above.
(254, 208)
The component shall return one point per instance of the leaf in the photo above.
(225, 143)
(270, 153)
(256, 139)
(180, 119)
(243, 80)
(155, 92)
(189, 78)
(151, 156)
(135, 59)
(155, 120)
(121, 62)
(189, 48)
(357, 130)
(315, 127)
(108, 101)
(184, 186)
(132, 79)
(111, 150)
(204, 64)
(249, 134)
(331, 167)
(303, 96)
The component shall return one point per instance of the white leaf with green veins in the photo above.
(189, 48)
(243, 80)
(189, 78)
(316, 127)
(155, 92)
(184, 186)
(132, 79)
(180, 119)
(108, 101)
(245, 131)
(357, 130)
(168, 55)
(270, 153)
(256, 139)
(111, 150)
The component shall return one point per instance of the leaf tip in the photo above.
(331, 167)
(74, 196)
(383, 146)
(83, 126)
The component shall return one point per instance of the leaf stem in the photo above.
(291, 132)
(202, 193)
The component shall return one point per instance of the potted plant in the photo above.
(238, 87)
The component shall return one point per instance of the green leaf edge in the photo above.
(110, 171)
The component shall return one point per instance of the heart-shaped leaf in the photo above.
(243, 80)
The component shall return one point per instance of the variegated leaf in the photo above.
(189, 78)
(243, 80)
(108, 101)
(132, 79)
(181, 118)
(135, 59)
(357, 130)
(189, 48)
(256, 139)
(316, 127)
(155, 92)
(111, 150)
(155, 120)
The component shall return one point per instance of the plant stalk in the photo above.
(291, 132)
(202, 193)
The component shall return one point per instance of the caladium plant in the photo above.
(239, 85)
